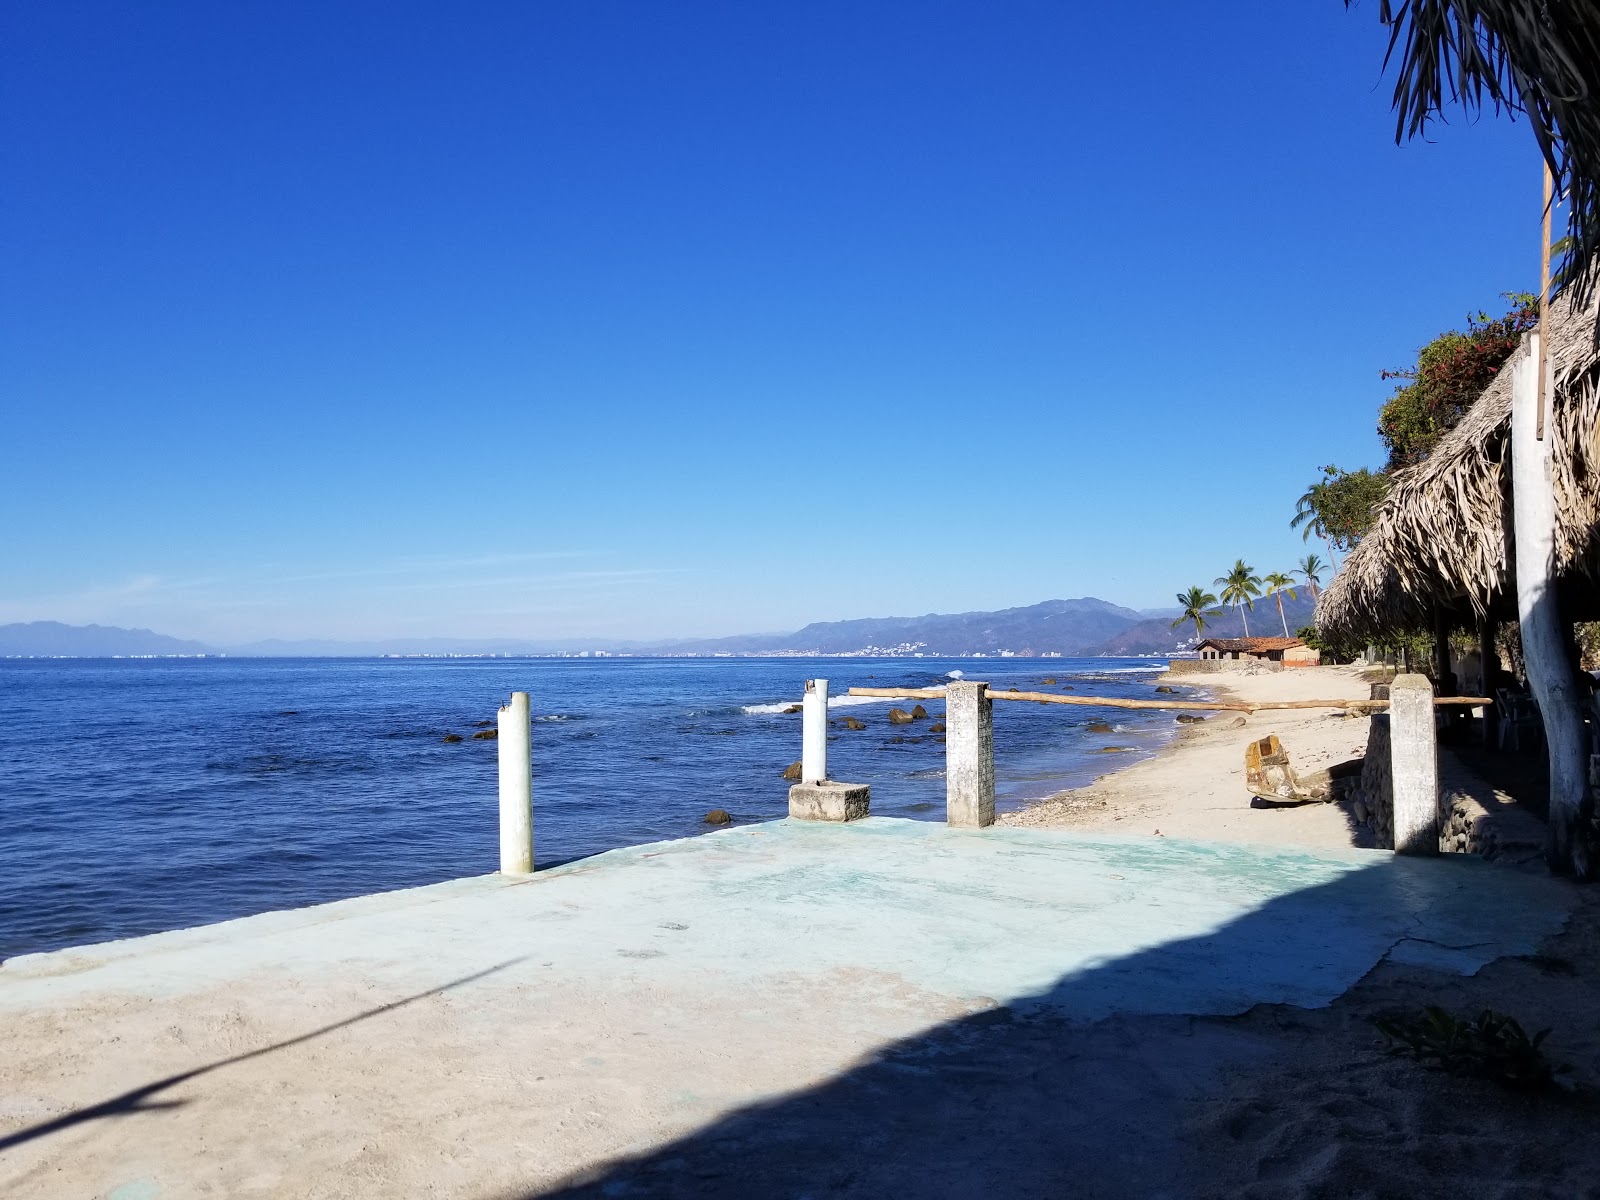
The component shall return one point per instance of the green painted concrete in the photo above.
(1080, 926)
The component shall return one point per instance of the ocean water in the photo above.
(142, 795)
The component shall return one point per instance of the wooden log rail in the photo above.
(1191, 705)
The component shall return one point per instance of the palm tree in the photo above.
(1533, 57)
(1308, 509)
(1277, 587)
(1240, 588)
(1310, 569)
(1197, 604)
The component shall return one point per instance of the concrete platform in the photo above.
(880, 1007)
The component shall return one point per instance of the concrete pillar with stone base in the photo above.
(1414, 769)
(829, 800)
(816, 797)
(969, 755)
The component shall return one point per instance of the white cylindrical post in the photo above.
(1551, 673)
(516, 787)
(1414, 765)
(969, 754)
(814, 732)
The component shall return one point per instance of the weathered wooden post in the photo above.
(969, 754)
(814, 734)
(1414, 765)
(515, 740)
(1550, 673)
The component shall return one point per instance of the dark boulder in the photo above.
(1099, 727)
(899, 716)
(919, 713)
(486, 735)
(452, 737)
(936, 727)
(719, 816)
(791, 773)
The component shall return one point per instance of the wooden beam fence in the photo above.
(1181, 705)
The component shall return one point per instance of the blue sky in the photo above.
(636, 319)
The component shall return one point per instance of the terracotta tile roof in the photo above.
(1252, 645)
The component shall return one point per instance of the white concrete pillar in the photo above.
(1551, 673)
(814, 732)
(516, 787)
(1414, 765)
(969, 754)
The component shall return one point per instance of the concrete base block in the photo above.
(829, 801)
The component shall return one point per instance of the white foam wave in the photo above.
(833, 702)
(955, 674)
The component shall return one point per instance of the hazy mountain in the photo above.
(1157, 636)
(52, 639)
(334, 648)
(1060, 626)
(1068, 627)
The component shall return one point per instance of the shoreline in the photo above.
(1194, 785)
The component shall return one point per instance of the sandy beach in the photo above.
(1328, 1112)
(1194, 787)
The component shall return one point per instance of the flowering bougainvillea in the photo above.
(1451, 373)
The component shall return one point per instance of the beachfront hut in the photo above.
(1252, 649)
(1440, 551)
(1445, 542)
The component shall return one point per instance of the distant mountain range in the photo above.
(1157, 636)
(52, 639)
(1072, 628)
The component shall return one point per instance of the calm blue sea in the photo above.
(142, 795)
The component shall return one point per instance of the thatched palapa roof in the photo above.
(1443, 533)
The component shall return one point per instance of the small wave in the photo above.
(554, 717)
(955, 674)
(834, 702)
(1117, 671)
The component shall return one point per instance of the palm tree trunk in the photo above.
(1283, 618)
(1245, 619)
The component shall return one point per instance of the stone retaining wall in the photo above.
(1473, 818)
(1374, 806)
(1221, 666)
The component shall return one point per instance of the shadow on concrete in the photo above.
(141, 1099)
(1035, 1098)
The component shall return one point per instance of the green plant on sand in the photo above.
(1492, 1046)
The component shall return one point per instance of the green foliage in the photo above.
(1450, 375)
(1310, 568)
(1536, 59)
(1333, 650)
(1341, 506)
(1197, 606)
(1492, 1046)
(1240, 586)
(1278, 586)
